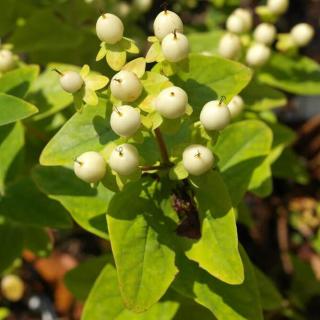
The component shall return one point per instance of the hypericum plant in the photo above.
(161, 143)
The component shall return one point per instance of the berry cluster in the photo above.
(239, 25)
(170, 103)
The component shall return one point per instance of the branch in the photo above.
(160, 167)
(162, 147)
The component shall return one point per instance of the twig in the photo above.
(160, 167)
(283, 240)
(162, 147)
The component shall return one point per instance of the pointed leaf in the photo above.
(13, 109)
(140, 247)
(116, 59)
(138, 66)
(217, 249)
(88, 130)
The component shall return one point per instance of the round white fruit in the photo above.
(236, 24)
(71, 81)
(125, 120)
(172, 102)
(175, 47)
(215, 115)
(265, 33)
(124, 159)
(246, 16)
(90, 167)
(197, 159)
(258, 55)
(109, 28)
(236, 106)
(7, 61)
(165, 23)
(230, 46)
(126, 86)
(302, 34)
(278, 6)
(12, 288)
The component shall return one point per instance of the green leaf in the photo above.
(46, 92)
(44, 31)
(236, 302)
(140, 246)
(88, 130)
(199, 41)
(86, 205)
(37, 240)
(17, 82)
(297, 74)
(271, 299)
(104, 302)
(11, 239)
(11, 144)
(260, 97)
(13, 109)
(217, 249)
(290, 166)
(209, 78)
(24, 203)
(138, 66)
(261, 180)
(81, 279)
(240, 148)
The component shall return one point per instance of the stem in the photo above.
(151, 168)
(162, 147)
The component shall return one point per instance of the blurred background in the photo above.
(280, 229)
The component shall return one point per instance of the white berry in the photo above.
(12, 288)
(165, 23)
(246, 17)
(71, 81)
(215, 115)
(7, 61)
(125, 120)
(124, 159)
(236, 24)
(278, 7)
(109, 28)
(265, 33)
(258, 55)
(126, 86)
(175, 47)
(236, 106)
(302, 34)
(90, 167)
(197, 159)
(230, 46)
(172, 102)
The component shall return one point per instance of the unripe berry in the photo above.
(125, 120)
(197, 159)
(302, 34)
(175, 47)
(124, 159)
(12, 288)
(278, 6)
(258, 55)
(7, 61)
(215, 115)
(230, 46)
(172, 102)
(235, 24)
(109, 28)
(71, 81)
(246, 17)
(126, 86)
(265, 33)
(235, 106)
(165, 23)
(90, 167)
